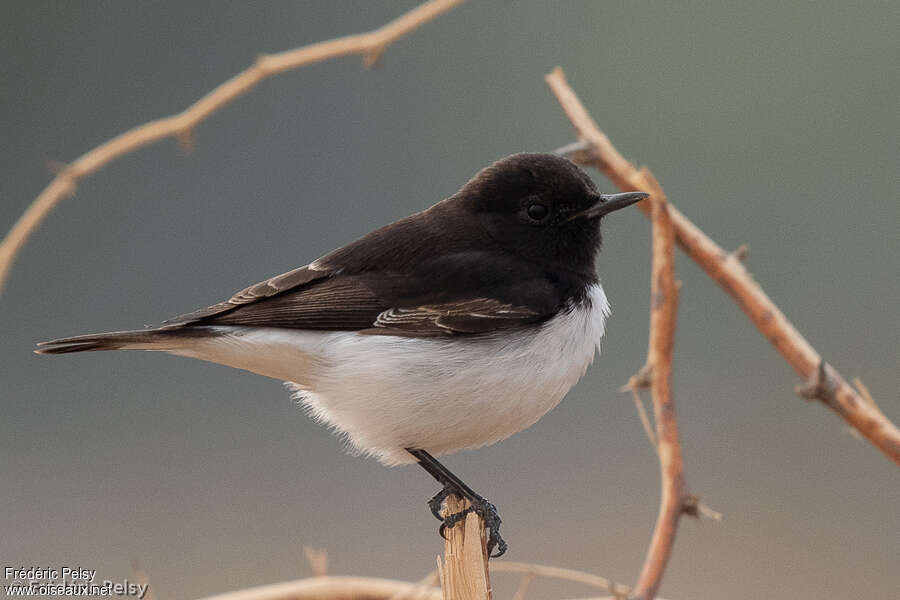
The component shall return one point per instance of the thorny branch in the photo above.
(824, 383)
(657, 375)
(182, 125)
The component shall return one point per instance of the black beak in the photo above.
(607, 203)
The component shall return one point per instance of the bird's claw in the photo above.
(488, 512)
(437, 501)
(451, 520)
(481, 507)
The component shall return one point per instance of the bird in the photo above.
(447, 330)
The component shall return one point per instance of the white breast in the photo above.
(387, 393)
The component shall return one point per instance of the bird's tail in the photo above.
(146, 339)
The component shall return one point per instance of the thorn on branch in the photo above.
(57, 167)
(864, 394)
(372, 58)
(65, 174)
(706, 511)
(261, 62)
(819, 386)
(640, 380)
(317, 558)
(186, 138)
(740, 253)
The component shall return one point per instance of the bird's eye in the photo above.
(537, 211)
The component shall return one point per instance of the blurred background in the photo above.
(768, 123)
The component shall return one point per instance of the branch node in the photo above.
(66, 174)
(640, 380)
(186, 138)
(690, 505)
(633, 386)
(58, 167)
(372, 58)
(260, 64)
(820, 385)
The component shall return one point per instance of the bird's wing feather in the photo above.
(476, 315)
(264, 289)
(342, 303)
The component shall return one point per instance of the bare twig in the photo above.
(607, 585)
(705, 511)
(182, 125)
(464, 574)
(663, 315)
(726, 270)
(642, 412)
(362, 588)
(332, 588)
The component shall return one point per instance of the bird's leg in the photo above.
(454, 485)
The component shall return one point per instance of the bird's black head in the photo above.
(542, 207)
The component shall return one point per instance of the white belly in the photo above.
(387, 393)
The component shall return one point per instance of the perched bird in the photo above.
(451, 329)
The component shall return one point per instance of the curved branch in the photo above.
(824, 382)
(663, 314)
(335, 588)
(182, 125)
(607, 585)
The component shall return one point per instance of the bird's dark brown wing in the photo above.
(450, 292)
(348, 303)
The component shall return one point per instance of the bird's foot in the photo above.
(437, 502)
(478, 505)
